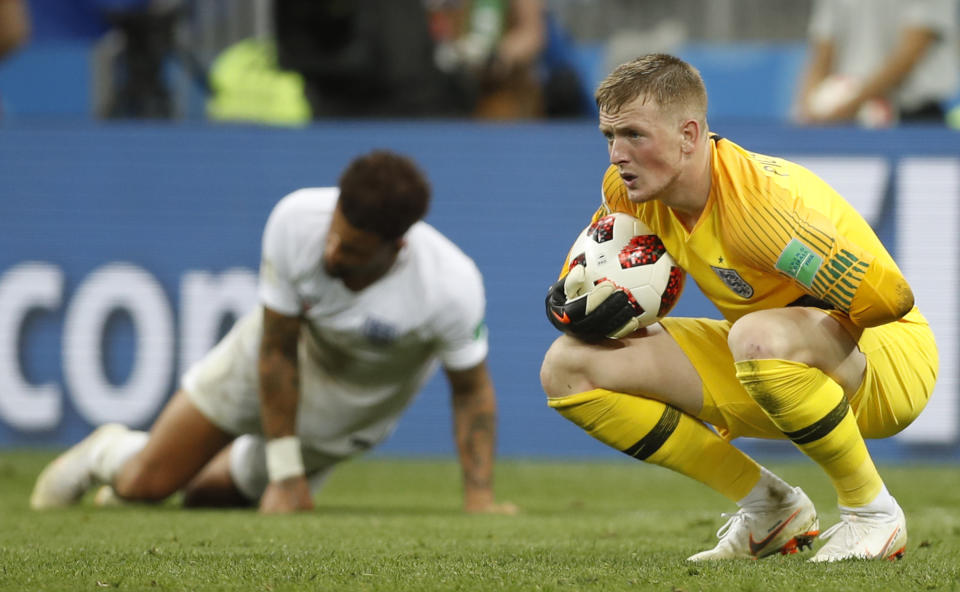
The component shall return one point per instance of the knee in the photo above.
(562, 372)
(760, 336)
(141, 481)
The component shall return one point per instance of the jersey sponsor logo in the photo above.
(379, 332)
(798, 261)
(733, 281)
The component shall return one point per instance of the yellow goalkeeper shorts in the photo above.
(901, 370)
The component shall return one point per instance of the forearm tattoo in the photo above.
(478, 449)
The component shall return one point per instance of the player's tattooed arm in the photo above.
(279, 395)
(475, 419)
(279, 374)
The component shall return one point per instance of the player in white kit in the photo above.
(360, 301)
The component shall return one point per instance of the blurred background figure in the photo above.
(492, 59)
(370, 58)
(134, 53)
(295, 61)
(877, 62)
(14, 25)
(498, 43)
(337, 59)
(519, 57)
(123, 49)
(14, 28)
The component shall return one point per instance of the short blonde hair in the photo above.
(671, 82)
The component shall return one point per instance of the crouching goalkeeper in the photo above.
(820, 340)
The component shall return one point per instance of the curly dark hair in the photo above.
(383, 193)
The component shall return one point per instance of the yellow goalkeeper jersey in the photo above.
(771, 233)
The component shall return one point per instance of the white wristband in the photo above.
(284, 459)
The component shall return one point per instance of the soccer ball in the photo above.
(623, 250)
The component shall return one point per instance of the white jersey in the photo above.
(363, 355)
(379, 345)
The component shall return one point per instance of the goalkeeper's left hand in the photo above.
(602, 311)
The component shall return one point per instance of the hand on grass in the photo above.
(502, 508)
(287, 496)
(481, 502)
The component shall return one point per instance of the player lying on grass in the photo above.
(820, 341)
(360, 301)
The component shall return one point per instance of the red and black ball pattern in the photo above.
(602, 230)
(672, 292)
(645, 249)
(580, 259)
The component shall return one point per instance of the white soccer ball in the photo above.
(623, 250)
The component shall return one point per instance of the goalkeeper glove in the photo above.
(590, 314)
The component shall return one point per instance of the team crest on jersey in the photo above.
(379, 332)
(733, 281)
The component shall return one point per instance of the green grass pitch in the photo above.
(388, 524)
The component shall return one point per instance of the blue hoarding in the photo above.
(126, 249)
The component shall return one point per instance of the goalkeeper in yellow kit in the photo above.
(820, 341)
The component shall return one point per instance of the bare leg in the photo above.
(213, 487)
(650, 365)
(182, 441)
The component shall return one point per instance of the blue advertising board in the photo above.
(127, 249)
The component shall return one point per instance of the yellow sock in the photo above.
(811, 409)
(660, 434)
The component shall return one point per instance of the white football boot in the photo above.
(64, 481)
(865, 535)
(756, 532)
(106, 497)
